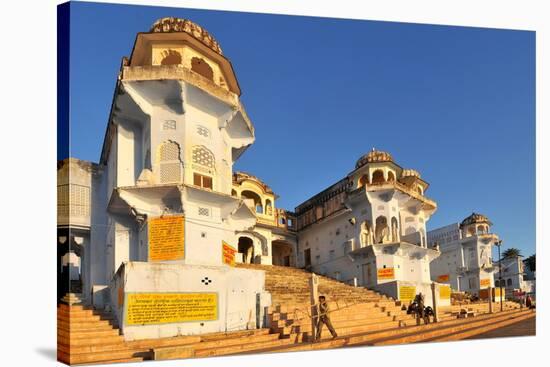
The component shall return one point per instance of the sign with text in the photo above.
(484, 283)
(228, 254)
(407, 292)
(166, 238)
(445, 292)
(443, 278)
(386, 273)
(168, 308)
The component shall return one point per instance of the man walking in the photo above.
(324, 319)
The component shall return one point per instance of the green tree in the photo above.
(531, 262)
(511, 252)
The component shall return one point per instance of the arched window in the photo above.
(253, 200)
(201, 67)
(509, 282)
(381, 230)
(363, 180)
(391, 176)
(378, 177)
(170, 57)
(394, 230)
(169, 162)
(268, 207)
(203, 156)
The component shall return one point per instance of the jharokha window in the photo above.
(201, 67)
(202, 181)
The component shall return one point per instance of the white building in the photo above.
(165, 217)
(370, 229)
(513, 276)
(466, 254)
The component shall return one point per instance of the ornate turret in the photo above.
(475, 218)
(372, 157)
(168, 25)
(474, 224)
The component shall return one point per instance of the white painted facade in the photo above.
(176, 128)
(513, 274)
(466, 254)
(371, 222)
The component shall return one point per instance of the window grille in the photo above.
(203, 131)
(170, 165)
(203, 156)
(205, 212)
(169, 125)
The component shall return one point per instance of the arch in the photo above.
(366, 234)
(391, 176)
(246, 248)
(471, 231)
(282, 253)
(381, 229)
(378, 177)
(256, 202)
(481, 229)
(170, 57)
(233, 193)
(203, 156)
(169, 162)
(364, 180)
(497, 283)
(394, 230)
(268, 207)
(199, 66)
(419, 190)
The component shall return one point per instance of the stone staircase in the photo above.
(360, 316)
(87, 336)
(353, 309)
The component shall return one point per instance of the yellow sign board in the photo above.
(166, 308)
(484, 283)
(407, 292)
(166, 238)
(443, 278)
(228, 254)
(386, 273)
(444, 292)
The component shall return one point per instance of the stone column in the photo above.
(314, 292)
(490, 289)
(434, 301)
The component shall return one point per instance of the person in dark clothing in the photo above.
(420, 310)
(323, 318)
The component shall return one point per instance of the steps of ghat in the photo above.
(451, 329)
(360, 316)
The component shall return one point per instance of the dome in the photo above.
(475, 218)
(167, 25)
(374, 156)
(410, 173)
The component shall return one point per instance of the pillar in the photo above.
(490, 289)
(434, 301)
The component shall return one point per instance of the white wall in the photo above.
(237, 290)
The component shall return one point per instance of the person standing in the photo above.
(419, 300)
(324, 319)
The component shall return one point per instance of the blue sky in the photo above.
(455, 103)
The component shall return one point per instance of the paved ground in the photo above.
(522, 328)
